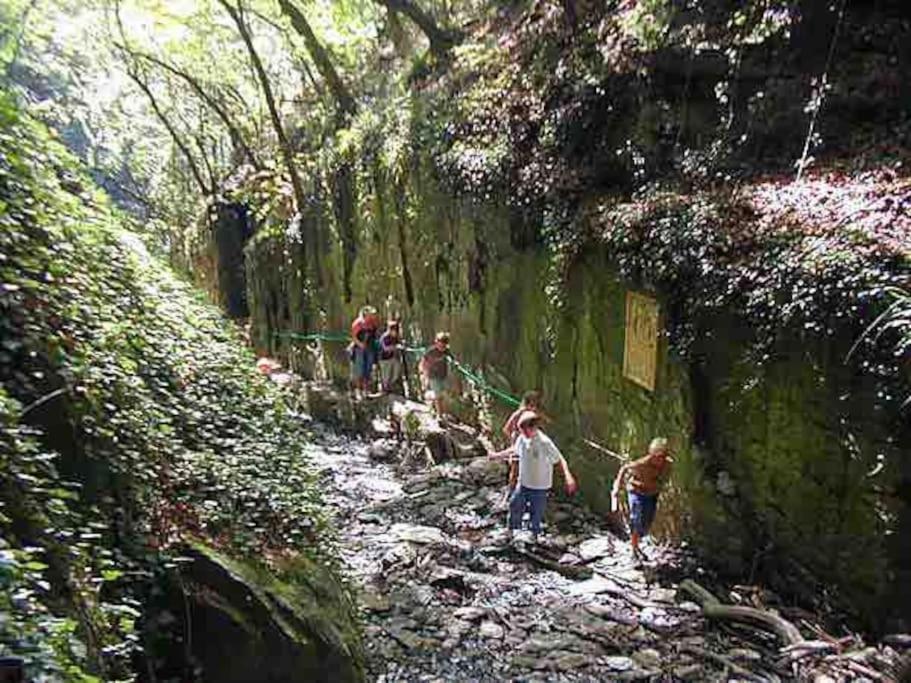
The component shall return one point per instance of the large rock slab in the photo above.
(245, 625)
(446, 441)
(415, 533)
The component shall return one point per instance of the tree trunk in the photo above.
(320, 57)
(181, 145)
(441, 40)
(263, 77)
(300, 199)
(237, 138)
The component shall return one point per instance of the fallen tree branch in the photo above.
(569, 571)
(902, 640)
(808, 648)
(629, 595)
(859, 668)
(713, 609)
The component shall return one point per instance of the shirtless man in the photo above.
(647, 476)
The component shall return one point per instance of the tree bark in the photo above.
(320, 58)
(181, 145)
(441, 40)
(233, 130)
(285, 147)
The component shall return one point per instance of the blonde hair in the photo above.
(658, 444)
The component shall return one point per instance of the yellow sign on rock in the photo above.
(640, 356)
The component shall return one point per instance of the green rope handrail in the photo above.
(462, 369)
(315, 336)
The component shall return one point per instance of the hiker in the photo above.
(647, 476)
(537, 456)
(362, 349)
(435, 371)
(391, 360)
(531, 400)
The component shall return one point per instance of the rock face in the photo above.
(220, 259)
(475, 264)
(759, 425)
(245, 625)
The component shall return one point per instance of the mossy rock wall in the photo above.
(771, 464)
(241, 622)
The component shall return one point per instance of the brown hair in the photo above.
(531, 398)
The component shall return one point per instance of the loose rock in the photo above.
(489, 629)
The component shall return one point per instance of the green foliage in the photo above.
(38, 521)
(117, 376)
(713, 253)
(649, 21)
(894, 324)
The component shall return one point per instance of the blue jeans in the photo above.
(522, 498)
(642, 509)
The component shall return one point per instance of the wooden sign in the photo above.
(640, 354)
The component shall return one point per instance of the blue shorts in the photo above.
(642, 509)
(362, 361)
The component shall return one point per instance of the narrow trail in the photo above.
(421, 533)
(446, 600)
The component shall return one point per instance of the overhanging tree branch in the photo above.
(320, 58)
(441, 40)
(285, 33)
(263, 78)
(143, 85)
(234, 131)
(172, 131)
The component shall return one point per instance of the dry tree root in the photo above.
(714, 609)
(569, 571)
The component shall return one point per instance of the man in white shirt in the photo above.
(537, 456)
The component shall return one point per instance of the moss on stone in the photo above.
(286, 624)
(794, 454)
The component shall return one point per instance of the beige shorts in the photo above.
(436, 388)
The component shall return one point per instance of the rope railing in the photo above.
(472, 376)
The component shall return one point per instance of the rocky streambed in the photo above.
(444, 597)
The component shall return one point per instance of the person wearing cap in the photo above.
(531, 400)
(537, 455)
(391, 357)
(435, 371)
(647, 476)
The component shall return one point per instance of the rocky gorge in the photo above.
(444, 597)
